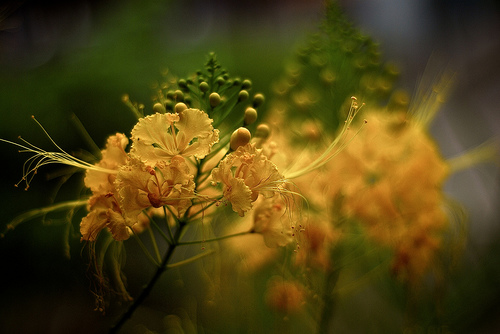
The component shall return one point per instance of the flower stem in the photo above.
(165, 207)
(147, 290)
(214, 239)
(331, 278)
(155, 245)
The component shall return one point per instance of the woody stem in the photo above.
(149, 287)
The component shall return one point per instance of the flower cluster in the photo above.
(154, 174)
(374, 179)
(198, 168)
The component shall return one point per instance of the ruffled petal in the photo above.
(117, 226)
(92, 224)
(240, 196)
(160, 137)
(152, 138)
(113, 156)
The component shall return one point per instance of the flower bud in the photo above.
(214, 99)
(179, 107)
(258, 100)
(242, 96)
(263, 131)
(246, 84)
(171, 95)
(179, 96)
(159, 108)
(220, 81)
(250, 116)
(169, 105)
(203, 87)
(183, 84)
(240, 137)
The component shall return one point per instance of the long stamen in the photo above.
(42, 158)
(335, 147)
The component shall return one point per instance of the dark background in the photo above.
(59, 59)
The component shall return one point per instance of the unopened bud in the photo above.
(263, 131)
(242, 96)
(246, 84)
(240, 137)
(250, 116)
(183, 84)
(169, 105)
(159, 108)
(179, 96)
(258, 100)
(203, 86)
(180, 107)
(214, 99)
(171, 95)
(220, 81)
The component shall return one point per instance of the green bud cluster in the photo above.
(334, 64)
(226, 99)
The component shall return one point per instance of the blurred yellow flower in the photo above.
(390, 178)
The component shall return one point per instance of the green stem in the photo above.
(168, 224)
(329, 299)
(191, 215)
(191, 259)
(145, 250)
(214, 239)
(41, 212)
(155, 245)
(147, 290)
(153, 222)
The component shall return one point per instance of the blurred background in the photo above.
(78, 58)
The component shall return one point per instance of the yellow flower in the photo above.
(160, 137)
(271, 220)
(245, 174)
(390, 178)
(141, 186)
(104, 212)
(285, 296)
(113, 156)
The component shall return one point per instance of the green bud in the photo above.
(182, 84)
(179, 107)
(258, 100)
(159, 108)
(263, 131)
(179, 96)
(236, 82)
(242, 96)
(240, 137)
(250, 116)
(169, 105)
(204, 87)
(246, 84)
(171, 95)
(220, 81)
(214, 99)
